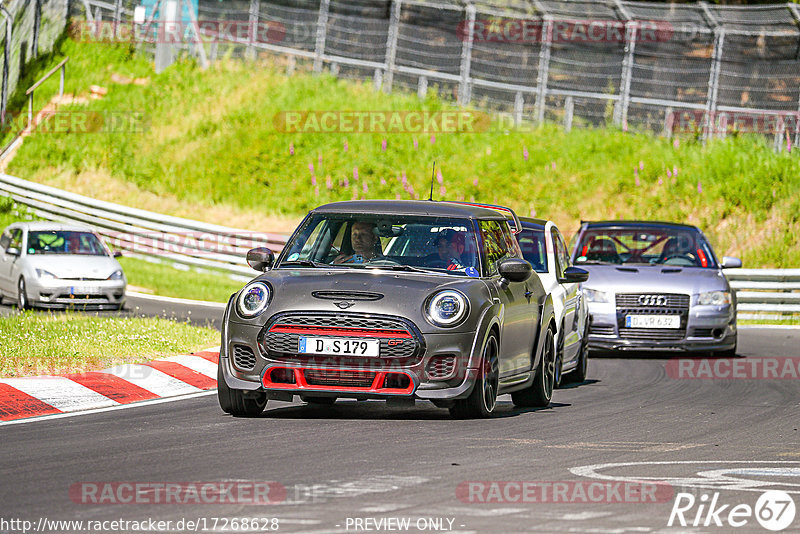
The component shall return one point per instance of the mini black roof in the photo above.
(410, 207)
(639, 224)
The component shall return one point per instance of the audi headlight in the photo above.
(253, 299)
(714, 298)
(447, 308)
(41, 273)
(116, 275)
(592, 295)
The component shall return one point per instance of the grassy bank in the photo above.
(169, 281)
(45, 343)
(210, 150)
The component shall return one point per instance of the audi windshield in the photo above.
(677, 246)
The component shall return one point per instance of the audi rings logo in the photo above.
(652, 300)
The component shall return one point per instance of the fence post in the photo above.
(713, 84)
(255, 6)
(544, 67)
(422, 87)
(569, 108)
(796, 14)
(194, 22)
(778, 142)
(519, 103)
(621, 110)
(117, 16)
(6, 58)
(669, 122)
(322, 34)
(37, 22)
(464, 88)
(391, 45)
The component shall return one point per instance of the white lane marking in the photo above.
(703, 481)
(152, 380)
(582, 516)
(479, 512)
(188, 302)
(355, 488)
(195, 363)
(60, 392)
(211, 349)
(110, 409)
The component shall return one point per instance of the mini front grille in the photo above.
(601, 330)
(652, 334)
(243, 357)
(441, 367)
(339, 378)
(652, 300)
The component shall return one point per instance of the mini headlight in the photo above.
(447, 308)
(592, 295)
(714, 298)
(41, 273)
(116, 275)
(253, 299)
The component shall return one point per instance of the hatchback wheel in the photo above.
(539, 394)
(234, 401)
(22, 296)
(483, 399)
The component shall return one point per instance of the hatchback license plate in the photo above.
(653, 321)
(339, 346)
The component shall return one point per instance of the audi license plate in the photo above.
(339, 346)
(653, 321)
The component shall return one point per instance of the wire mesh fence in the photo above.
(669, 68)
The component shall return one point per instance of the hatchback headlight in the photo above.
(714, 298)
(41, 273)
(116, 275)
(447, 308)
(253, 299)
(592, 295)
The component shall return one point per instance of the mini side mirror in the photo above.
(260, 259)
(574, 275)
(731, 263)
(12, 251)
(515, 269)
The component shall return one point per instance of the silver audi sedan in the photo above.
(655, 285)
(54, 265)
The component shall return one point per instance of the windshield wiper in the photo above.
(305, 263)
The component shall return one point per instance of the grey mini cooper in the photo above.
(391, 300)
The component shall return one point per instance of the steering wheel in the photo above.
(685, 261)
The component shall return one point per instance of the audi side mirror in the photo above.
(729, 262)
(260, 259)
(515, 269)
(574, 275)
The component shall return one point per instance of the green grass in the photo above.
(211, 142)
(793, 321)
(168, 281)
(57, 343)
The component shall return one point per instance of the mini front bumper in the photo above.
(61, 293)
(707, 328)
(420, 383)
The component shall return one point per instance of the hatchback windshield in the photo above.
(64, 242)
(401, 242)
(647, 245)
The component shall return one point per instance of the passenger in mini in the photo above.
(364, 243)
(449, 249)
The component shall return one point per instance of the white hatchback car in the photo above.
(544, 248)
(58, 265)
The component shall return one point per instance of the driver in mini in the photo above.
(365, 243)
(449, 248)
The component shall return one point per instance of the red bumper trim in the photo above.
(301, 384)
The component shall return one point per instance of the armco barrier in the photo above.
(760, 292)
(142, 232)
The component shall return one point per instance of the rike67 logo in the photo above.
(774, 510)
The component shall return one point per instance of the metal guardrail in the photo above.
(762, 291)
(145, 233)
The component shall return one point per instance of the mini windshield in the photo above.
(400, 242)
(646, 245)
(64, 242)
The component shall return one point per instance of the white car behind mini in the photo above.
(54, 265)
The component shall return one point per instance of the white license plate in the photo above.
(339, 346)
(653, 321)
(82, 290)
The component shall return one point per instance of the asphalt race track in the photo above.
(349, 467)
